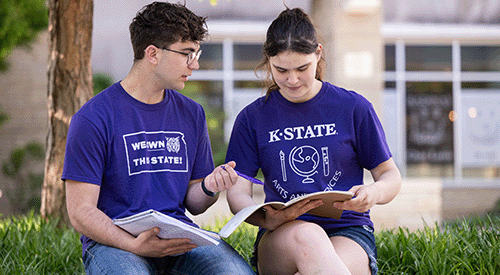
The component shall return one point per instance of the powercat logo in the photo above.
(150, 152)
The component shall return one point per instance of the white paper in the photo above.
(170, 228)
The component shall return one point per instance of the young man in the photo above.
(141, 145)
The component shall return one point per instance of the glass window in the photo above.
(428, 58)
(207, 93)
(390, 84)
(429, 129)
(249, 84)
(211, 57)
(247, 56)
(480, 58)
(481, 85)
(390, 57)
(481, 130)
(390, 118)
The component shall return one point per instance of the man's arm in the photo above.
(87, 219)
(222, 178)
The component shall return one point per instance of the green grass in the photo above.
(460, 247)
(242, 239)
(30, 245)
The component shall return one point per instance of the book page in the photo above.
(170, 228)
(328, 197)
(237, 219)
(325, 210)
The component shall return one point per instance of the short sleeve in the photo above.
(242, 146)
(85, 152)
(371, 144)
(203, 164)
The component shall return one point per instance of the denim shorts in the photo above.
(362, 234)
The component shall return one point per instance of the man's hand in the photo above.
(222, 178)
(147, 244)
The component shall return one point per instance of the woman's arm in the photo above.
(386, 185)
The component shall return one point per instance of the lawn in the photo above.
(30, 245)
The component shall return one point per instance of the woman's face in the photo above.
(294, 73)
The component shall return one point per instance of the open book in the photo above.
(170, 228)
(325, 210)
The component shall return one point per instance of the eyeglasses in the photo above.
(191, 57)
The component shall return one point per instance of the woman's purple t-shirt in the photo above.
(320, 144)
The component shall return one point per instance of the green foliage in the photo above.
(3, 118)
(461, 247)
(242, 239)
(215, 119)
(20, 21)
(101, 81)
(30, 245)
(23, 191)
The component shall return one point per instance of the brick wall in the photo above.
(23, 96)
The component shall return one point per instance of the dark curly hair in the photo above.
(294, 31)
(162, 24)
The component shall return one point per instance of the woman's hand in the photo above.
(363, 200)
(386, 186)
(273, 218)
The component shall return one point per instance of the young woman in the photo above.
(307, 135)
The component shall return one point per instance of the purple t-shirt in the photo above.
(320, 144)
(141, 155)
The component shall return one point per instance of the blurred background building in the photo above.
(430, 67)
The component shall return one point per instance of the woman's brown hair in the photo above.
(293, 31)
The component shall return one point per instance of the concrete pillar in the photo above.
(350, 31)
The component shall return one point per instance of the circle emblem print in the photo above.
(304, 161)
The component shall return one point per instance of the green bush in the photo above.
(23, 186)
(468, 246)
(30, 245)
(101, 81)
(20, 23)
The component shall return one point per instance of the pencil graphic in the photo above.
(283, 168)
(326, 161)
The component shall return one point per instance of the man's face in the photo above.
(172, 68)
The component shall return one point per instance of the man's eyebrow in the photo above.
(190, 49)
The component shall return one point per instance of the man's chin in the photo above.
(179, 86)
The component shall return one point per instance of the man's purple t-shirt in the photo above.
(321, 144)
(141, 155)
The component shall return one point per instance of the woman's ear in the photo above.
(319, 51)
(151, 54)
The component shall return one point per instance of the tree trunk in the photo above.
(69, 87)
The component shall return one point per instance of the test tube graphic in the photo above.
(283, 167)
(326, 161)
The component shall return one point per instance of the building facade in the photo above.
(431, 68)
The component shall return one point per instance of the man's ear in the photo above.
(151, 54)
